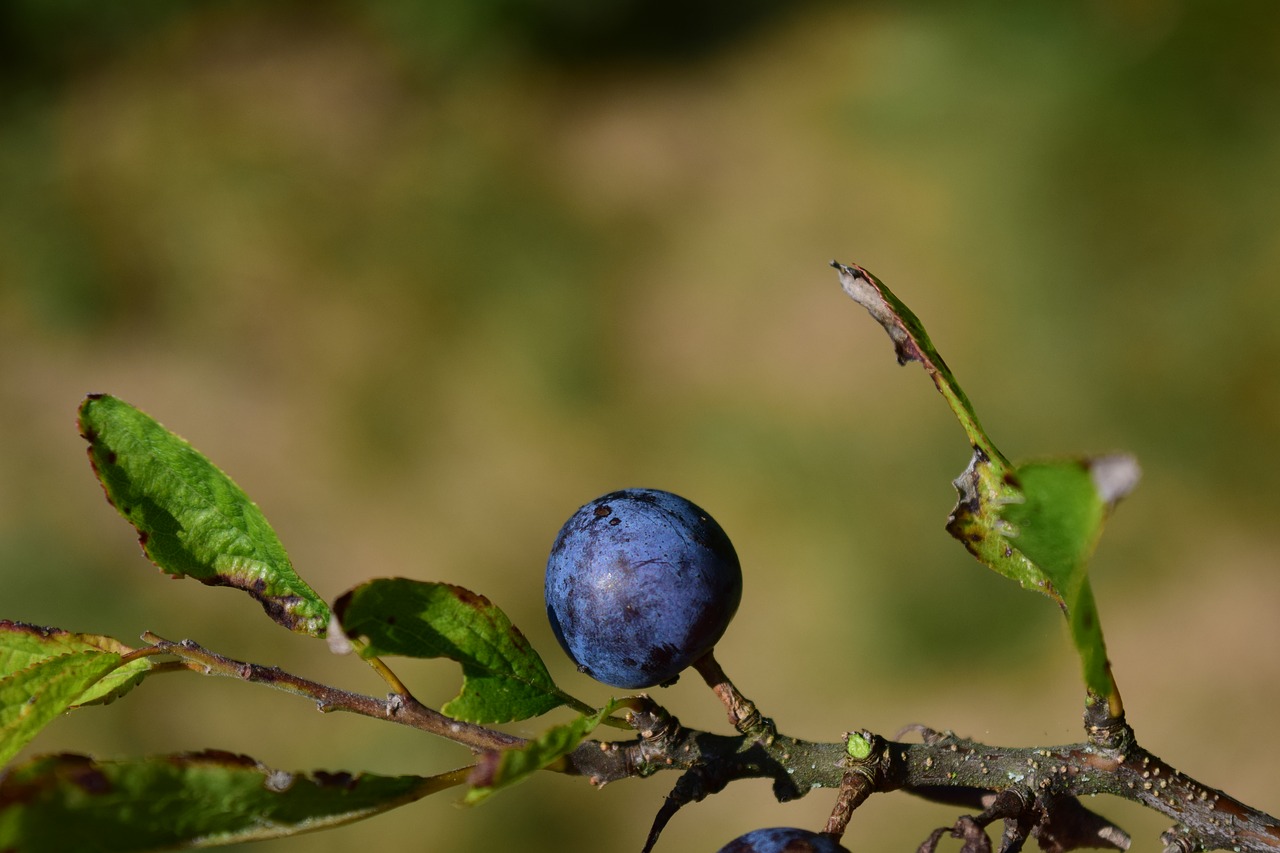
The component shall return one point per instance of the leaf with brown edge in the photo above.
(205, 799)
(36, 695)
(911, 343)
(503, 678)
(23, 645)
(192, 520)
(498, 770)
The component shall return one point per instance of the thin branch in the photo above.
(398, 708)
(943, 767)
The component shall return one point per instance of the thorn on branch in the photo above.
(694, 786)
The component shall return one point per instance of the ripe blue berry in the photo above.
(640, 584)
(783, 840)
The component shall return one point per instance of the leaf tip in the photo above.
(1114, 476)
(88, 401)
(866, 290)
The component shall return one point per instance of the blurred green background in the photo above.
(424, 278)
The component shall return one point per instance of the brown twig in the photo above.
(397, 707)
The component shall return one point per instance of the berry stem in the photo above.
(743, 714)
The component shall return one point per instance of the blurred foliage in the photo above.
(423, 278)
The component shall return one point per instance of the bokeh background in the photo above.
(426, 277)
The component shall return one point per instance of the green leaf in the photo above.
(22, 645)
(191, 518)
(1036, 524)
(72, 802)
(498, 770)
(1039, 526)
(504, 679)
(33, 697)
(1056, 527)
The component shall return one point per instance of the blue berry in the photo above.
(640, 584)
(783, 840)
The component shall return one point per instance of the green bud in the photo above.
(857, 746)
